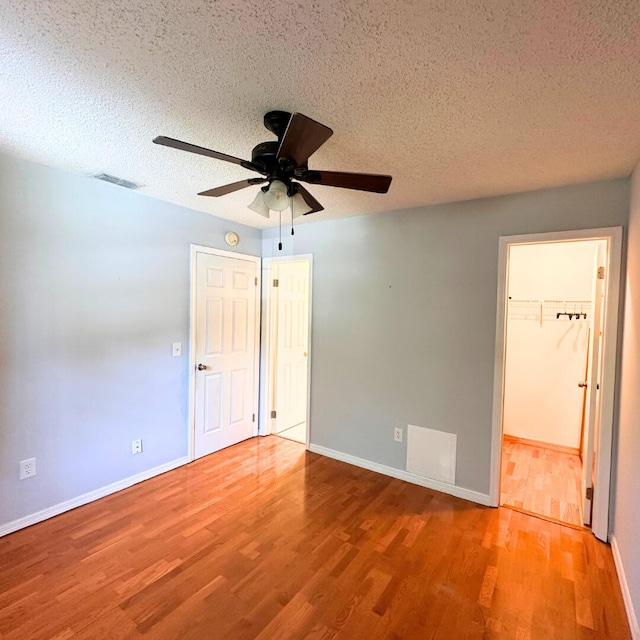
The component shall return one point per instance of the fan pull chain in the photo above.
(280, 243)
(291, 216)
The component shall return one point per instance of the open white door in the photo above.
(225, 351)
(592, 409)
(291, 298)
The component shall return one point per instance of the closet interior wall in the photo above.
(550, 316)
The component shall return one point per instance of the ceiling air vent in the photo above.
(121, 182)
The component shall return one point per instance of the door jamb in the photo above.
(613, 236)
(194, 250)
(266, 347)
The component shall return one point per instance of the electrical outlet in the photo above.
(136, 446)
(397, 434)
(27, 468)
(176, 349)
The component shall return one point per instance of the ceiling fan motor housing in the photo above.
(276, 122)
(264, 155)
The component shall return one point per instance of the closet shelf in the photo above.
(561, 310)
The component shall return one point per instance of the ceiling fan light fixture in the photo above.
(298, 206)
(259, 206)
(276, 197)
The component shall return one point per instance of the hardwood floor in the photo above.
(542, 481)
(264, 540)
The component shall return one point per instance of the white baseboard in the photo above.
(626, 594)
(85, 498)
(451, 489)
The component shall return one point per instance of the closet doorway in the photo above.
(555, 369)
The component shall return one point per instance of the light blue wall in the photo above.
(94, 289)
(626, 525)
(404, 316)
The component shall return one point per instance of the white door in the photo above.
(292, 351)
(592, 408)
(225, 351)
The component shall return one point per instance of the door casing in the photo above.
(267, 347)
(195, 249)
(613, 276)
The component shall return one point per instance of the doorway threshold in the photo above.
(297, 433)
(562, 523)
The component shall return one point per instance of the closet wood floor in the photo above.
(264, 540)
(542, 481)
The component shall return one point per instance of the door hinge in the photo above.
(273, 414)
(276, 282)
(589, 493)
(254, 418)
(256, 281)
(600, 273)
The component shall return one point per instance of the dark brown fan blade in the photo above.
(359, 181)
(302, 138)
(230, 188)
(192, 148)
(310, 200)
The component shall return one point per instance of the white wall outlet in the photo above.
(136, 446)
(176, 349)
(27, 468)
(397, 434)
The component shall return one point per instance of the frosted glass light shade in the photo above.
(259, 206)
(298, 206)
(276, 197)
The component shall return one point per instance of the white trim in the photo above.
(576, 235)
(498, 374)
(266, 425)
(602, 488)
(413, 478)
(265, 422)
(309, 345)
(626, 594)
(613, 236)
(199, 248)
(195, 249)
(85, 498)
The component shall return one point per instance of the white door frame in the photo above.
(613, 236)
(195, 249)
(266, 423)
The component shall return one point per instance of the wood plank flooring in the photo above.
(542, 481)
(266, 541)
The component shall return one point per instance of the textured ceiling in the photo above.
(456, 99)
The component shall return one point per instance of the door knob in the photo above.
(582, 385)
(201, 367)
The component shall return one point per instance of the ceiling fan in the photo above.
(282, 163)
